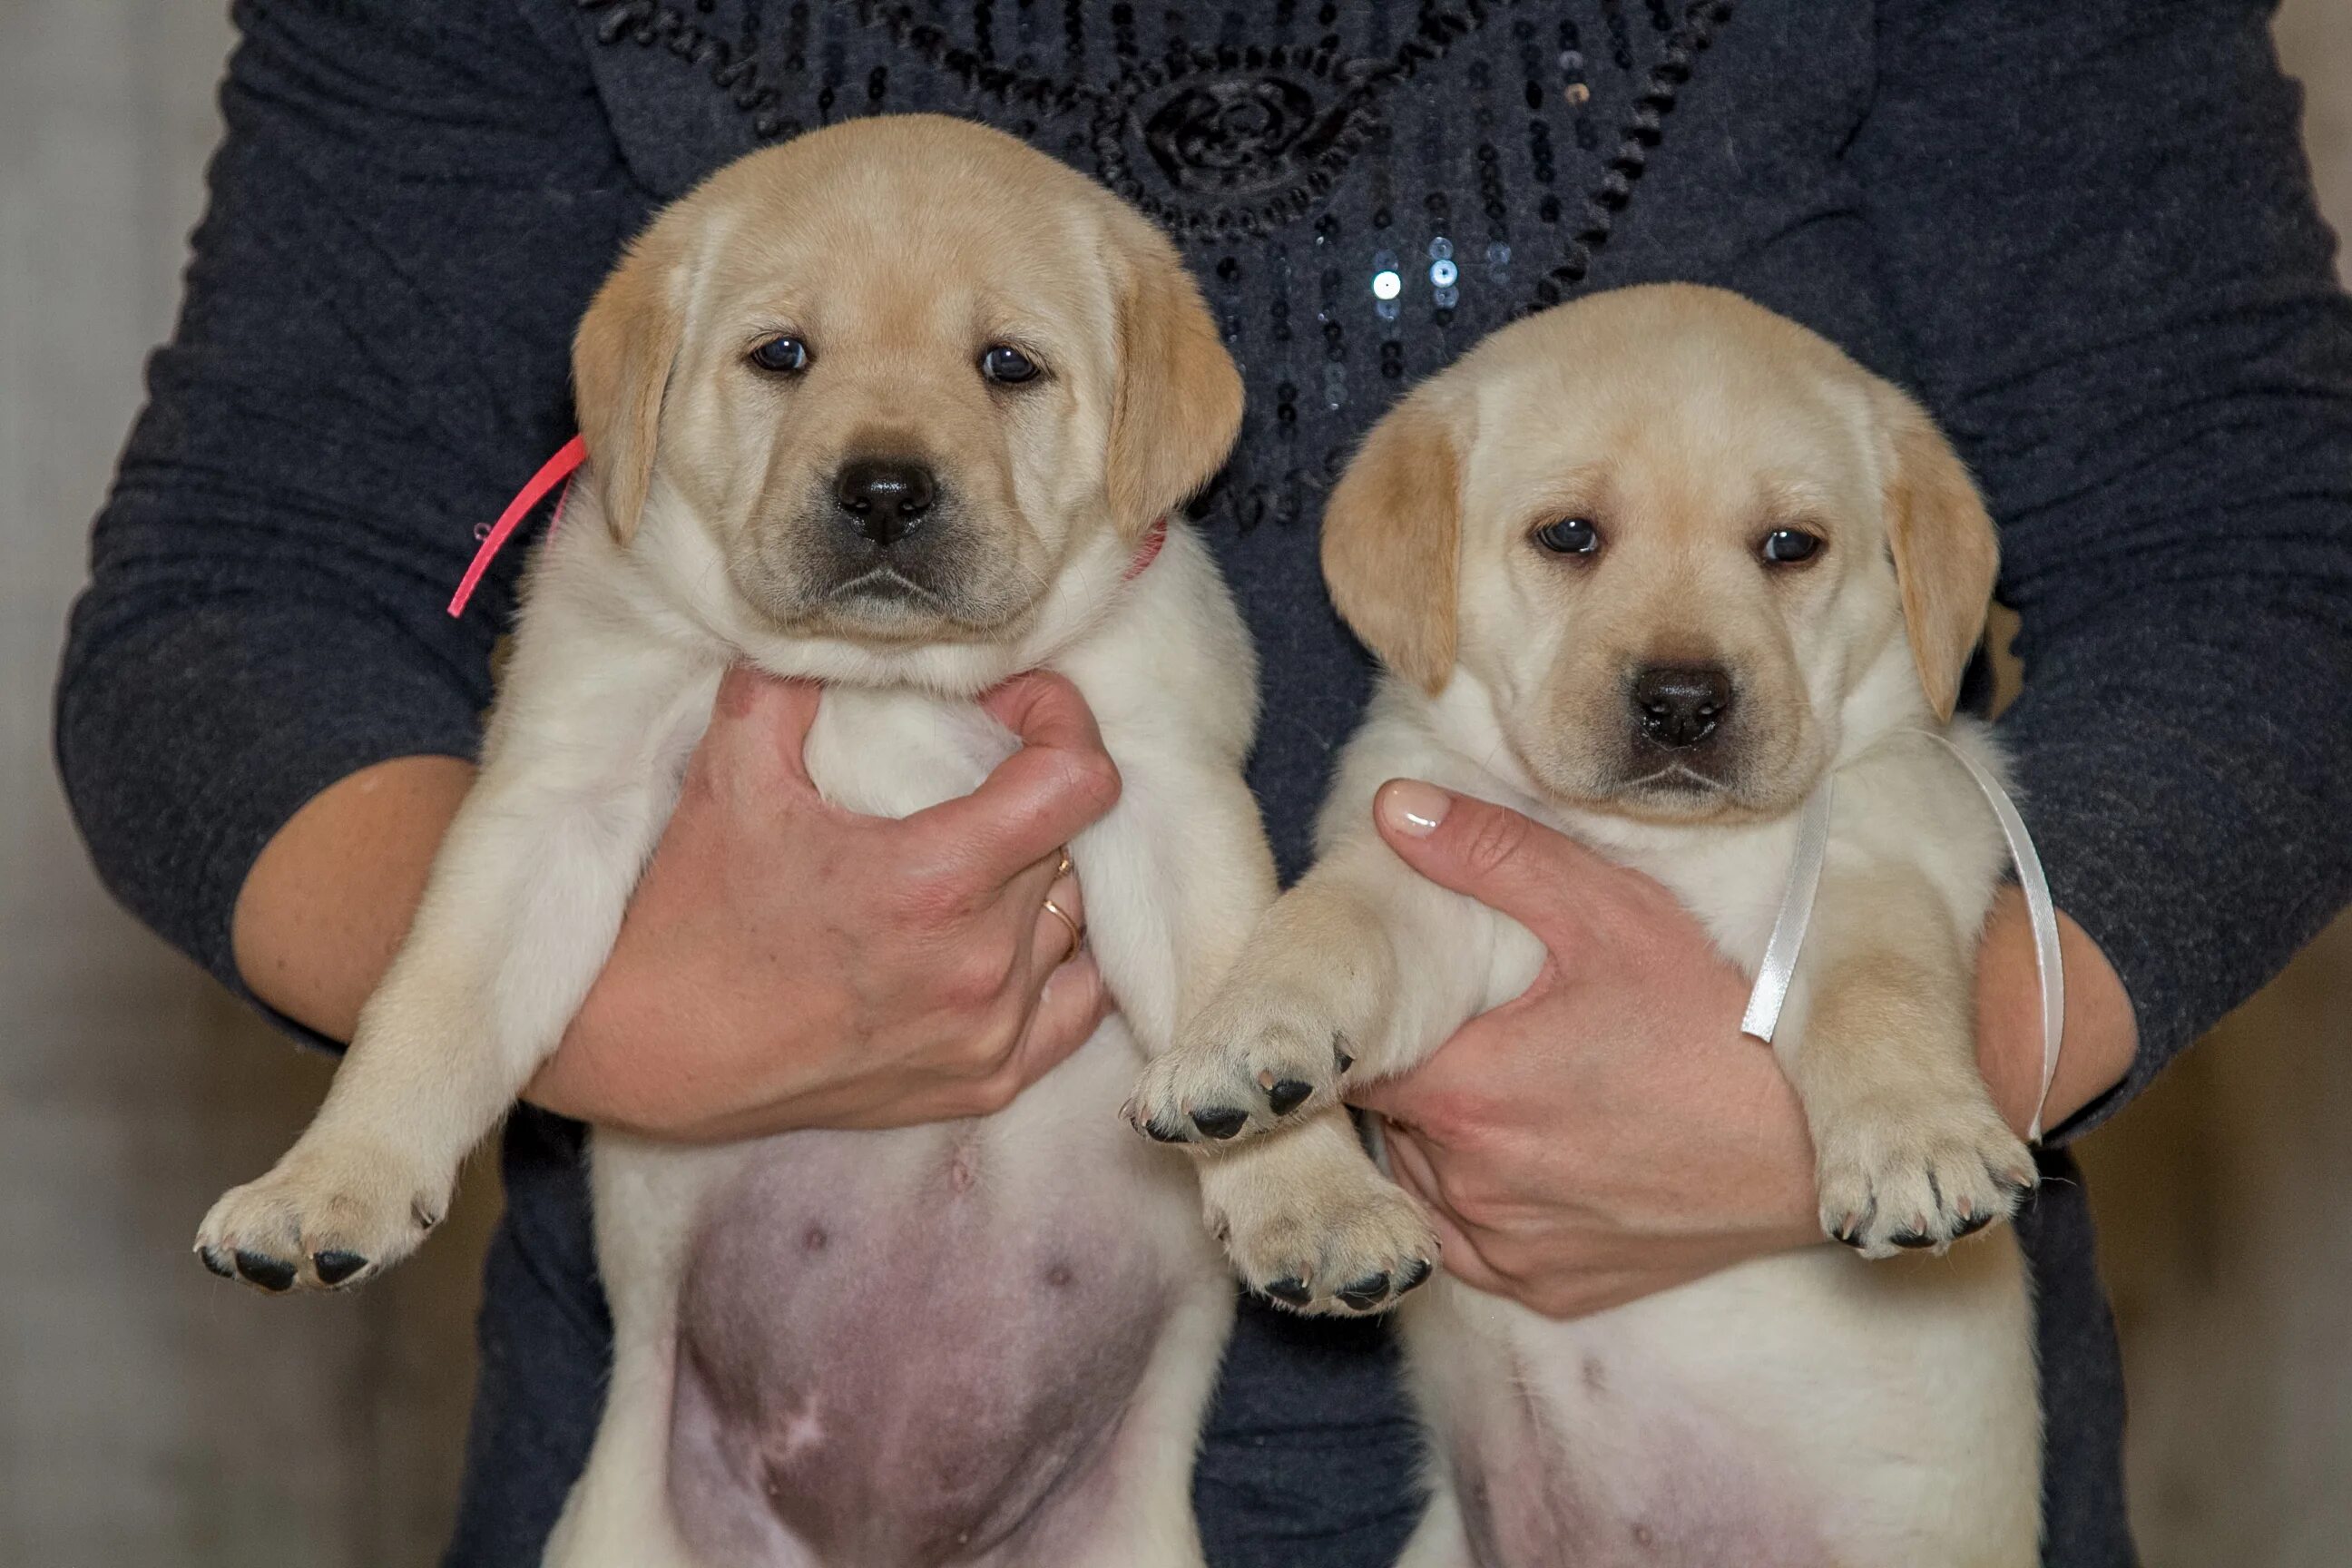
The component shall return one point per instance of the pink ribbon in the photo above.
(567, 457)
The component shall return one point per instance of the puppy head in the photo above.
(901, 370)
(1672, 534)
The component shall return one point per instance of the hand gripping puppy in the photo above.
(1649, 567)
(987, 1341)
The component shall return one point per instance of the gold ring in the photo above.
(1078, 931)
(1064, 868)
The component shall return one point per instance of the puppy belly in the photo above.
(903, 1350)
(1660, 1490)
(1805, 1411)
(1576, 1456)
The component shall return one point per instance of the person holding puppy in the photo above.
(2115, 294)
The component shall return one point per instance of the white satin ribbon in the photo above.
(1763, 1015)
(1780, 965)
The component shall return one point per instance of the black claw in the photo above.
(213, 1260)
(1159, 1134)
(1416, 1275)
(1368, 1292)
(1913, 1239)
(1288, 1096)
(266, 1272)
(1294, 1291)
(334, 1267)
(1970, 1223)
(1219, 1121)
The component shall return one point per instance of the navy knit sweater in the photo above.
(2081, 229)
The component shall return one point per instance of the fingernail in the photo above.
(1412, 807)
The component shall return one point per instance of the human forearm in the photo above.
(2182, 773)
(2100, 1036)
(2145, 355)
(328, 902)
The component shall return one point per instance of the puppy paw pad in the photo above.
(1219, 1121)
(1288, 1095)
(336, 1267)
(272, 1274)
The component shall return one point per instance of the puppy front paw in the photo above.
(1920, 1178)
(1250, 1062)
(322, 1219)
(1343, 1242)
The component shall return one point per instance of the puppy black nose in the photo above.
(885, 498)
(1679, 705)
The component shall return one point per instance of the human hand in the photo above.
(1610, 1133)
(786, 964)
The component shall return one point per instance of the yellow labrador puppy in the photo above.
(901, 406)
(1648, 567)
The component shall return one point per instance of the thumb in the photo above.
(759, 729)
(1486, 852)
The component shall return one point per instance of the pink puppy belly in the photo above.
(883, 1362)
(1630, 1476)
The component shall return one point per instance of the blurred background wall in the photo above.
(150, 1415)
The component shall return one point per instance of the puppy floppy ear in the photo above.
(1947, 552)
(1178, 405)
(1392, 541)
(621, 362)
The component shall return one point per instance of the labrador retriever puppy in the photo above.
(902, 407)
(1649, 567)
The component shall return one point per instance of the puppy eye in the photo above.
(1789, 546)
(785, 356)
(1569, 536)
(1006, 365)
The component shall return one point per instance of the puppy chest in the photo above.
(893, 752)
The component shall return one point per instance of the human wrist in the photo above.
(616, 1066)
(588, 1076)
(2101, 1033)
